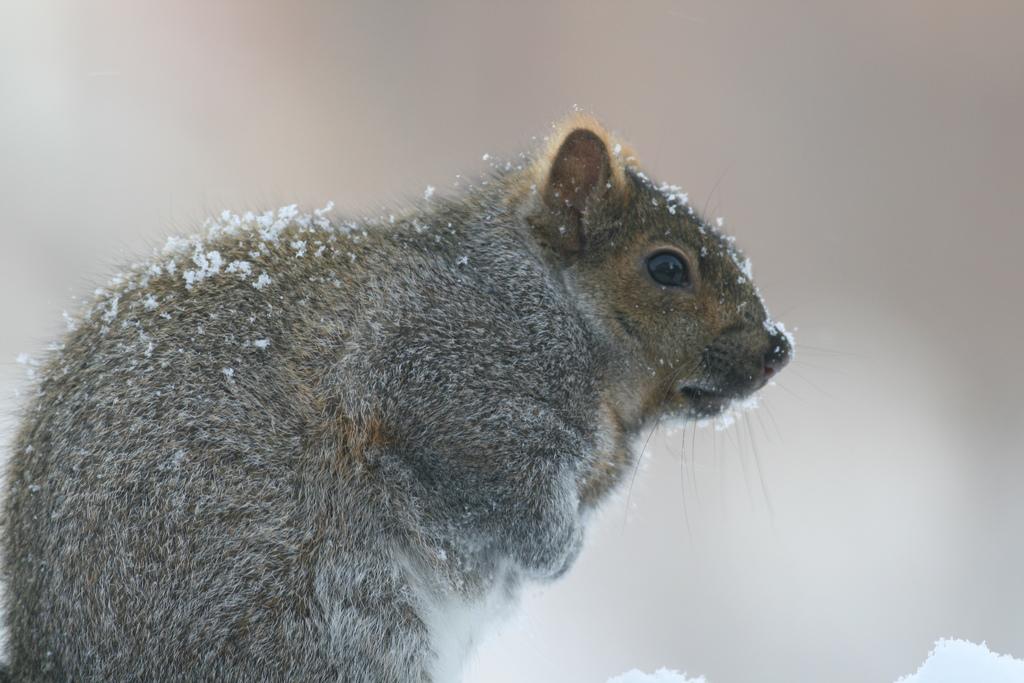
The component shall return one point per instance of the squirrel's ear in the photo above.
(580, 173)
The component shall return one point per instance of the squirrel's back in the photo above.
(207, 428)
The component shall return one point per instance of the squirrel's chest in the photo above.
(609, 460)
(456, 623)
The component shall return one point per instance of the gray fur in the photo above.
(221, 478)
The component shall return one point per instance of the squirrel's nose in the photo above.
(778, 353)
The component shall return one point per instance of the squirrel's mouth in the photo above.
(702, 402)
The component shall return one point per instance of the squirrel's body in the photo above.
(302, 448)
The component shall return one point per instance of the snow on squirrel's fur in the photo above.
(198, 258)
(194, 261)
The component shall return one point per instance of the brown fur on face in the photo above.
(606, 218)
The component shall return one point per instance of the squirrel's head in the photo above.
(672, 295)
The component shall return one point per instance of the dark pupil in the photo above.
(669, 270)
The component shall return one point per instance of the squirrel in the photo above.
(302, 447)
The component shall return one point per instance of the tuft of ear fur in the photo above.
(582, 167)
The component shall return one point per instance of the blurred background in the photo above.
(869, 156)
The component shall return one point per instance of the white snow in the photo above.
(786, 333)
(207, 264)
(659, 676)
(268, 225)
(745, 265)
(69, 321)
(775, 325)
(729, 416)
(961, 661)
(429, 192)
(262, 281)
(111, 311)
(261, 344)
(950, 661)
(675, 198)
(243, 267)
(176, 245)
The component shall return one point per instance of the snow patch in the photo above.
(242, 267)
(262, 281)
(950, 661)
(659, 676)
(69, 321)
(268, 226)
(111, 312)
(730, 415)
(675, 198)
(961, 661)
(775, 326)
(207, 264)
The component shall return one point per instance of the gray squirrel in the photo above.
(301, 448)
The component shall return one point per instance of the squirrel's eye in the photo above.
(669, 269)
